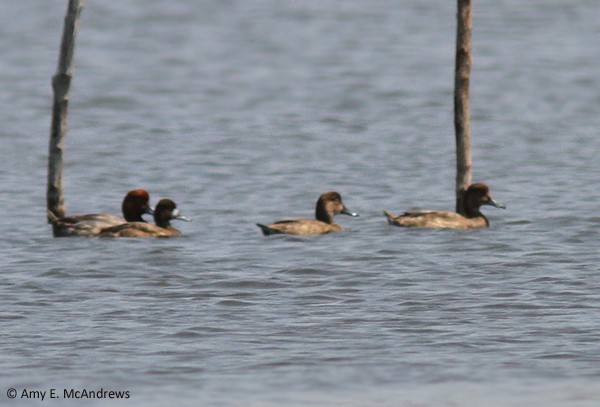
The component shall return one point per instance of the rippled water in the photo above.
(245, 112)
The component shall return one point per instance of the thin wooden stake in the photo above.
(61, 83)
(462, 117)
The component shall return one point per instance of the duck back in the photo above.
(139, 229)
(436, 219)
(302, 227)
(83, 225)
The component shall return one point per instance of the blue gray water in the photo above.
(246, 111)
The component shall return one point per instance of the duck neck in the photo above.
(162, 221)
(322, 214)
(136, 218)
(474, 212)
(471, 205)
(471, 211)
(131, 213)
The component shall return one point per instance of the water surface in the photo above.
(245, 112)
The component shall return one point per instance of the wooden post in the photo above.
(61, 83)
(462, 117)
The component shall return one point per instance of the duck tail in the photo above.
(265, 229)
(390, 217)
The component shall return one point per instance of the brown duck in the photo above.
(165, 211)
(475, 196)
(328, 205)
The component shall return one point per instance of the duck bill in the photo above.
(345, 211)
(495, 204)
(177, 216)
(149, 210)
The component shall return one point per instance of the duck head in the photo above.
(165, 211)
(476, 196)
(136, 204)
(330, 204)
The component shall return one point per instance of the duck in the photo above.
(165, 211)
(475, 196)
(135, 204)
(328, 205)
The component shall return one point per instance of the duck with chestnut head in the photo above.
(135, 204)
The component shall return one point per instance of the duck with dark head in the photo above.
(328, 205)
(475, 196)
(165, 211)
(135, 204)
